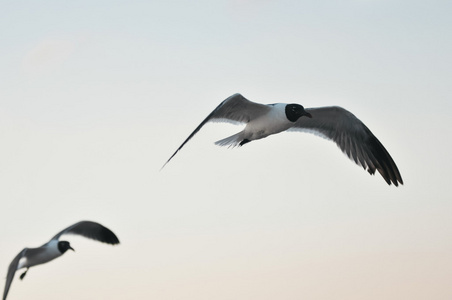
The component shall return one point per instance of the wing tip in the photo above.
(391, 177)
(98, 233)
(108, 236)
(113, 240)
(164, 165)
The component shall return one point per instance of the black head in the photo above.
(64, 246)
(295, 111)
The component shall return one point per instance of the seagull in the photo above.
(30, 257)
(333, 123)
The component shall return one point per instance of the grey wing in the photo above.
(235, 109)
(353, 138)
(90, 230)
(12, 271)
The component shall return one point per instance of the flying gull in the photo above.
(333, 123)
(30, 257)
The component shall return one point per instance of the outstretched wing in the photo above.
(353, 138)
(235, 109)
(12, 271)
(90, 230)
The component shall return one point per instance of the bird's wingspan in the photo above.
(90, 230)
(353, 138)
(236, 109)
(12, 271)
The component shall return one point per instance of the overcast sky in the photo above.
(96, 95)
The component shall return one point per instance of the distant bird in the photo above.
(333, 123)
(30, 257)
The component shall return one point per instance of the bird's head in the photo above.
(296, 111)
(64, 246)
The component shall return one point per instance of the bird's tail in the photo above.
(232, 141)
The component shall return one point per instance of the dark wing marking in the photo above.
(90, 230)
(236, 108)
(12, 271)
(353, 138)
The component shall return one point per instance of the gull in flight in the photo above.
(333, 123)
(30, 257)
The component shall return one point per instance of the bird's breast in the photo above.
(273, 122)
(41, 255)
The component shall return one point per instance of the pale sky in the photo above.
(96, 95)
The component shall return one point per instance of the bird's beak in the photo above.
(71, 248)
(308, 115)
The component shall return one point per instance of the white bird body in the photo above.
(274, 121)
(43, 254)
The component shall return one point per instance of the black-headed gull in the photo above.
(333, 123)
(30, 257)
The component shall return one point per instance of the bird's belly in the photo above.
(40, 258)
(262, 128)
